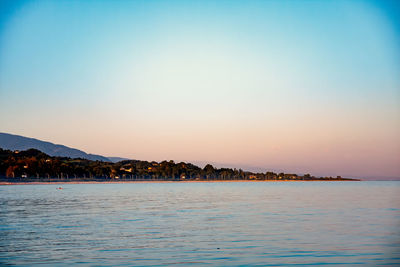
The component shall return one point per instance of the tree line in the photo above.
(33, 164)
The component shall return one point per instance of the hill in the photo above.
(116, 159)
(17, 142)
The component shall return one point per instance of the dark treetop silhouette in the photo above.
(34, 165)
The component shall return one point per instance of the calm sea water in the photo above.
(231, 224)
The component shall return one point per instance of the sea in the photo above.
(343, 223)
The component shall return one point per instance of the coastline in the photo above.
(160, 181)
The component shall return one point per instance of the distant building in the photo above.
(126, 169)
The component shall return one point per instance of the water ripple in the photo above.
(234, 224)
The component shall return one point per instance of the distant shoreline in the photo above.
(165, 181)
(32, 165)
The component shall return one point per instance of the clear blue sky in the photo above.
(299, 86)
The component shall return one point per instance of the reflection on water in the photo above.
(299, 223)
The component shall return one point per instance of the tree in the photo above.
(209, 171)
(11, 171)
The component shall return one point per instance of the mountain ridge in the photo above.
(19, 142)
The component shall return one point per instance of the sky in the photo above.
(295, 86)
